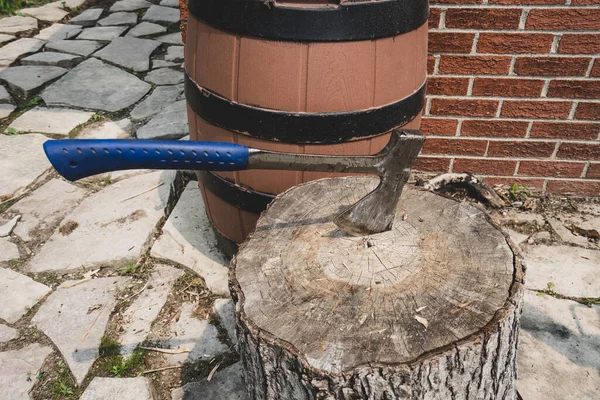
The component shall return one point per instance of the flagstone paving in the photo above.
(130, 256)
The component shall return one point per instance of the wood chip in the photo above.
(70, 284)
(141, 193)
(421, 308)
(460, 307)
(161, 369)
(213, 372)
(422, 321)
(177, 350)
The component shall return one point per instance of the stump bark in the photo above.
(429, 310)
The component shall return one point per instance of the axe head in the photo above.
(375, 212)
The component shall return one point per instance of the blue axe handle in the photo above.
(79, 158)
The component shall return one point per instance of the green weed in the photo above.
(64, 386)
(115, 364)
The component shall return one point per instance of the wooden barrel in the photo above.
(298, 76)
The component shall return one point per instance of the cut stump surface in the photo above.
(428, 310)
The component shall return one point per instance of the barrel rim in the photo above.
(349, 21)
(301, 127)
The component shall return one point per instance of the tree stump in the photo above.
(429, 310)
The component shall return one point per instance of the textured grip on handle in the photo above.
(77, 159)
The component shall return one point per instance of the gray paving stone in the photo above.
(4, 96)
(23, 161)
(163, 64)
(78, 47)
(17, 24)
(72, 3)
(108, 130)
(18, 293)
(7, 227)
(52, 59)
(102, 33)
(130, 5)
(558, 354)
(75, 319)
(39, 215)
(87, 18)
(171, 38)
(7, 333)
(170, 123)
(18, 369)
(164, 76)
(51, 12)
(160, 97)
(226, 384)
(174, 53)
(96, 85)
(8, 250)
(119, 19)
(10, 52)
(4, 38)
(224, 310)
(146, 29)
(561, 223)
(188, 239)
(27, 79)
(58, 32)
(164, 15)
(140, 315)
(575, 272)
(129, 52)
(59, 121)
(198, 336)
(170, 3)
(6, 110)
(139, 388)
(107, 229)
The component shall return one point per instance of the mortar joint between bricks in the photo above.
(555, 43)
(517, 165)
(442, 23)
(475, 41)
(555, 152)
(573, 109)
(585, 169)
(590, 67)
(523, 19)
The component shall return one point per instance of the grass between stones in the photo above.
(115, 364)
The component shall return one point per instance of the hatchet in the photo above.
(79, 158)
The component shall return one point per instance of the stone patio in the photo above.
(129, 257)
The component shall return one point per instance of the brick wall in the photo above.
(514, 93)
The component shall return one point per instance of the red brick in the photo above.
(551, 66)
(456, 1)
(447, 86)
(526, 2)
(494, 128)
(483, 18)
(466, 108)
(588, 111)
(579, 44)
(579, 151)
(593, 171)
(439, 126)
(535, 109)
(530, 183)
(596, 69)
(507, 87)
(555, 169)
(431, 164)
(463, 147)
(514, 43)
(430, 64)
(485, 167)
(434, 17)
(450, 42)
(569, 19)
(574, 89)
(565, 130)
(478, 65)
(584, 2)
(521, 149)
(580, 187)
